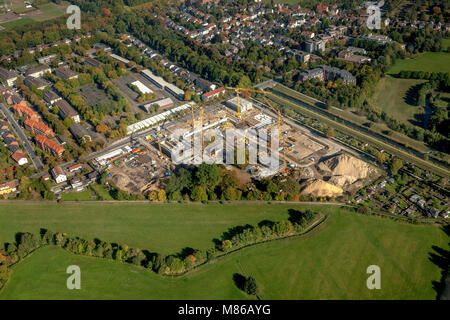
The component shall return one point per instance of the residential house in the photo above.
(9, 187)
(51, 97)
(40, 83)
(19, 157)
(38, 128)
(49, 145)
(213, 93)
(65, 73)
(58, 174)
(75, 168)
(66, 111)
(8, 77)
(38, 71)
(23, 111)
(80, 133)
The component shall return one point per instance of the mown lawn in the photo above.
(428, 61)
(391, 97)
(16, 23)
(163, 228)
(328, 264)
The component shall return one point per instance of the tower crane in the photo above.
(158, 132)
(202, 110)
(237, 90)
(277, 112)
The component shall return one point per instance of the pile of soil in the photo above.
(346, 165)
(320, 188)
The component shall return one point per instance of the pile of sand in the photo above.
(320, 188)
(342, 181)
(345, 165)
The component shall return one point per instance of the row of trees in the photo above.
(212, 182)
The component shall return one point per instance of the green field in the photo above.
(445, 43)
(16, 23)
(391, 97)
(49, 11)
(164, 228)
(46, 11)
(428, 61)
(327, 264)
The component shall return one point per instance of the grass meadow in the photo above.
(329, 263)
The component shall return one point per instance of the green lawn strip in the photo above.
(428, 61)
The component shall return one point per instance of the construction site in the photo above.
(147, 161)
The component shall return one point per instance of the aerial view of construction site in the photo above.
(228, 150)
(324, 167)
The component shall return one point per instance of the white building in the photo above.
(58, 174)
(244, 105)
(142, 87)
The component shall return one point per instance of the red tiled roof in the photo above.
(213, 92)
(49, 143)
(22, 109)
(40, 126)
(18, 155)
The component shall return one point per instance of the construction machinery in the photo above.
(237, 90)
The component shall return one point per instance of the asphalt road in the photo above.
(25, 142)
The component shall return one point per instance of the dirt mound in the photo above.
(320, 188)
(345, 165)
(341, 181)
(120, 180)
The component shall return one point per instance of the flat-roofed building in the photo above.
(119, 58)
(93, 62)
(175, 91)
(244, 105)
(157, 81)
(161, 103)
(142, 87)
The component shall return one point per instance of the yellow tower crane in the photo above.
(158, 132)
(202, 110)
(277, 112)
(237, 90)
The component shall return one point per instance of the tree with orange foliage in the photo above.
(106, 12)
(102, 128)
